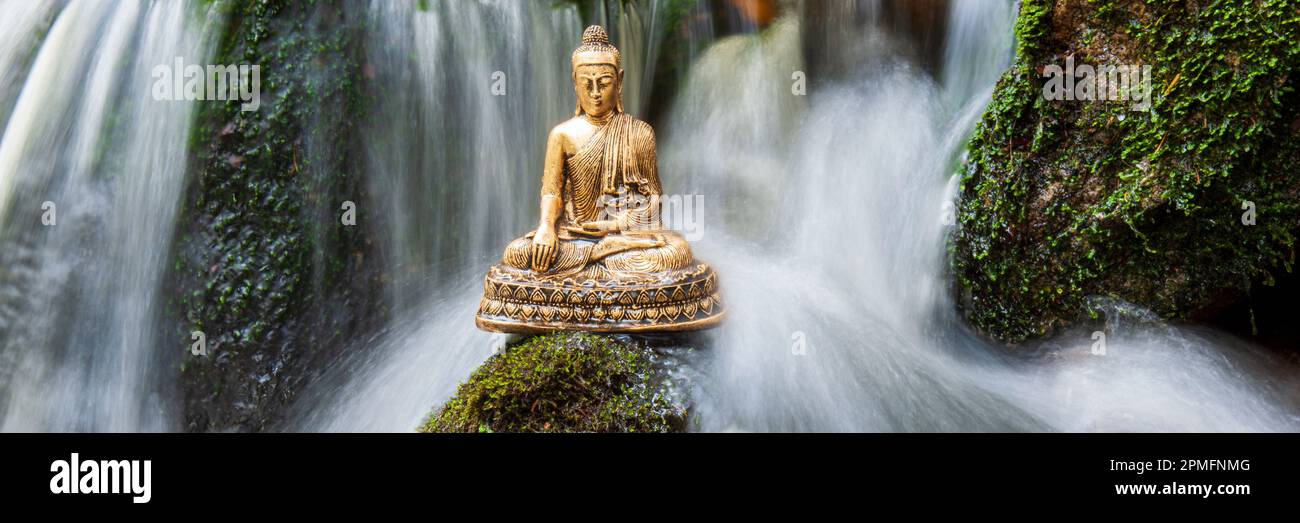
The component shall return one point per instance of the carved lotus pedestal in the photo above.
(522, 302)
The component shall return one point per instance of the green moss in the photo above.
(261, 254)
(1032, 26)
(561, 383)
(1063, 200)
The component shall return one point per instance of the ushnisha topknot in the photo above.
(596, 49)
(595, 35)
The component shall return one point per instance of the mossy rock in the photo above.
(1065, 200)
(563, 383)
(262, 264)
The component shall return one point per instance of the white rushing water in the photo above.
(847, 323)
(447, 160)
(79, 297)
(824, 215)
(25, 27)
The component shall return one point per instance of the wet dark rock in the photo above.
(264, 267)
(1064, 200)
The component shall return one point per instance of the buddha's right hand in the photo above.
(544, 249)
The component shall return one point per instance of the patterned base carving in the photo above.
(519, 302)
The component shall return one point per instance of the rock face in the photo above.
(564, 383)
(264, 266)
(1182, 209)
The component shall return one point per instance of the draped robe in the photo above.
(612, 176)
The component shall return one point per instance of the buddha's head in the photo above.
(597, 74)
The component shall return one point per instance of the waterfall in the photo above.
(454, 160)
(979, 39)
(827, 226)
(835, 291)
(824, 214)
(825, 211)
(460, 178)
(91, 174)
(26, 26)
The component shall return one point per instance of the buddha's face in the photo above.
(597, 86)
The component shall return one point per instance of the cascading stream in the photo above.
(825, 216)
(26, 25)
(81, 295)
(849, 325)
(450, 177)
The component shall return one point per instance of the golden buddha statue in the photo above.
(600, 259)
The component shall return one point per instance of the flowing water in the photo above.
(824, 214)
(848, 323)
(452, 179)
(91, 175)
